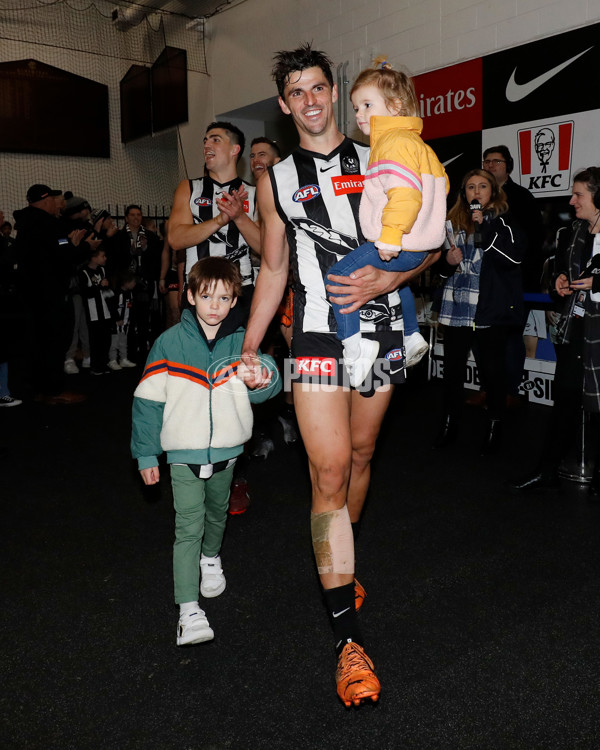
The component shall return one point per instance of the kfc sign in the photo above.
(545, 157)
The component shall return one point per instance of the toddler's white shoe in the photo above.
(127, 363)
(193, 627)
(114, 365)
(86, 363)
(415, 347)
(359, 368)
(213, 581)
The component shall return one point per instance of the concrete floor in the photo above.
(481, 617)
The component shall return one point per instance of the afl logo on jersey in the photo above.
(203, 201)
(350, 165)
(394, 355)
(306, 193)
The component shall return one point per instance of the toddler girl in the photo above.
(402, 209)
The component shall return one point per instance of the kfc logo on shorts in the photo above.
(318, 366)
(203, 202)
(545, 157)
(306, 193)
(346, 184)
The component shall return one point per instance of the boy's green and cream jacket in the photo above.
(190, 402)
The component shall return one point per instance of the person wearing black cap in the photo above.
(46, 255)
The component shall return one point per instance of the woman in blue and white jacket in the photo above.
(482, 298)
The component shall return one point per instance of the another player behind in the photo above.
(193, 402)
(402, 209)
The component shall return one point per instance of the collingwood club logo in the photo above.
(545, 157)
(350, 165)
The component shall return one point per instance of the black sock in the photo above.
(340, 605)
(287, 411)
(356, 529)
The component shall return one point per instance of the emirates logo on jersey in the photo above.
(346, 184)
(203, 202)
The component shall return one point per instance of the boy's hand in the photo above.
(151, 475)
(252, 373)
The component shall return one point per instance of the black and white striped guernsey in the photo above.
(228, 240)
(317, 197)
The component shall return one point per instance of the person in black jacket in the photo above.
(135, 248)
(482, 299)
(576, 284)
(525, 212)
(45, 258)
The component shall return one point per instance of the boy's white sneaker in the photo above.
(415, 347)
(70, 367)
(86, 363)
(127, 363)
(114, 365)
(359, 368)
(193, 627)
(213, 581)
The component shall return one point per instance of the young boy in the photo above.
(96, 292)
(121, 306)
(193, 403)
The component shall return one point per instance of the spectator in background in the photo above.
(525, 212)
(121, 306)
(169, 279)
(96, 292)
(76, 214)
(45, 256)
(6, 232)
(8, 312)
(135, 248)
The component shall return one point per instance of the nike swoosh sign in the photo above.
(517, 91)
(338, 614)
(326, 169)
(454, 158)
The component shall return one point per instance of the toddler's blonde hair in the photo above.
(396, 87)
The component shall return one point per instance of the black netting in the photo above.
(83, 38)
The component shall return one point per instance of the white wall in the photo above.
(419, 34)
(145, 171)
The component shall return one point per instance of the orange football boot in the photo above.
(356, 680)
(359, 595)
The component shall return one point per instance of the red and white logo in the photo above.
(203, 202)
(450, 99)
(318, 366)
(306, 193)
(545, 154)
(246, 206)
(348, 184)
(394, 355)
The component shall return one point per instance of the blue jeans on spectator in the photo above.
(368, 255)
(4, 379)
